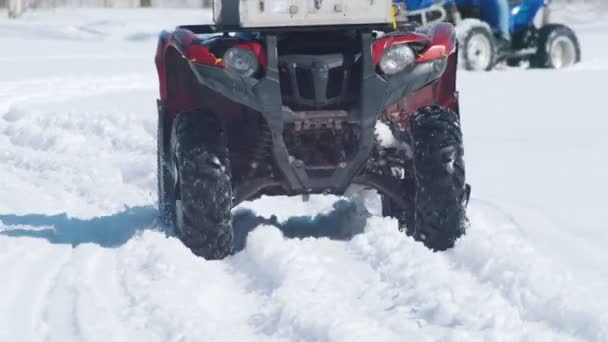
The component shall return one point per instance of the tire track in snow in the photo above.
(9, 255)
(42, 299)
(450, 302)
(380, 286)
(65, 309)
(32, 278)
(174, 296)
(316, 290)
(83, 305)
(495, 253)
(95, 316)
(11, 276)
(107, 299)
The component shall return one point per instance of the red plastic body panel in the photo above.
(174, 51)
(439, 39)
(443, 42)
(393, 39)
(442, 93)
(184, 42)
(180, 93)
(159, 60)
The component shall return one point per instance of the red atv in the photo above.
(278, 100)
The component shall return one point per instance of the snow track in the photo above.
(381, 285)
(77, 136)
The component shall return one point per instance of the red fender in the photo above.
(439, 41)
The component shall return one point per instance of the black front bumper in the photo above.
(264, 95)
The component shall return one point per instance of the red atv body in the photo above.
(304, 123)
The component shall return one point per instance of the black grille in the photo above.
(318, 81)
(304, 79)
(335, 82)
(285, 80)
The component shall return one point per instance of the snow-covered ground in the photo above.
(82, 259)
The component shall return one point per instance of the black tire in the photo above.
(513, 62)
(438, 216)
(478, 49)
(165, 180)
(441, 191)
(556, 36)
(204, 193)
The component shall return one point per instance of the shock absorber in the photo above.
(262, 149)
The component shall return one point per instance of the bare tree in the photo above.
(145, 3)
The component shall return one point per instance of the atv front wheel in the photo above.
(441, 191)
(558, 47)
(438, 215)
(203, 198)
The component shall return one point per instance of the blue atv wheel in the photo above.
(558, 47)
(477, 45)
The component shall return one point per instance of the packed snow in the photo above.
(82, 257)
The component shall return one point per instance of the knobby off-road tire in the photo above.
(166, 184)
(441, 191)
(438, 215)
(204, 194)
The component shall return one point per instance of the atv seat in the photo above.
(435, 13)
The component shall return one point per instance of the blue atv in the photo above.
(550, 45)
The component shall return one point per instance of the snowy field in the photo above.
(82, 258)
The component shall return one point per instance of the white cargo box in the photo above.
(285, 13)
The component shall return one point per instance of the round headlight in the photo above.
(396, 58)
(242, 61)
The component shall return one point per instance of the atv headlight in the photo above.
(396, 58)
(242, 61)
